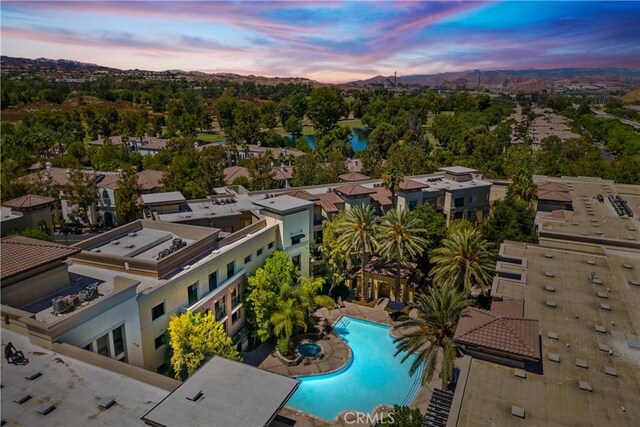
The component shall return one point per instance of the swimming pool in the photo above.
(371, 378)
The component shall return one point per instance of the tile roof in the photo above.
(328, 201)
(410, 184)
(382, 196)
(388, 267)
(553, 186)
(512, 335)
(283, 173)
(234, 172)
(20, 254)
(554, 195)
(150, 179)
(352, 177)
(305, 195)
(353, 190)
(354, 165)
(28, 201)
(108, 181)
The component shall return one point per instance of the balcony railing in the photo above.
(236, 301)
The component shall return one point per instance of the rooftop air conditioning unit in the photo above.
(84, 295)
(93, 290)
(132, 234)
(59, 305)
(160, 254)
(96, 250)
(115, 242)
(130, 246)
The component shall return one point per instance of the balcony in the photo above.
(224, 288)
(236, 302)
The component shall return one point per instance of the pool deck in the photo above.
(337, 359)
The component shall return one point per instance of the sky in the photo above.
(331, 41)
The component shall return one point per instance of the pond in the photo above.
(359, 139)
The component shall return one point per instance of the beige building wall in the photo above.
(174, 293)
(39, 283)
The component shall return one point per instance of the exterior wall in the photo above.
(293, 224)
(356, 201)
(13, 225)
(34, 218)
(44, 282)
(107, 205)
(125, 313)
(174, 293)
(475, 204)
(405, 199)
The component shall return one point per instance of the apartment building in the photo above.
(115, 293)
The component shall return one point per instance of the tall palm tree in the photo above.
(464, 261)
(288, 317)
(358, 233)
(523, 190)
(391, 181)
(430, 333)
(400, 236)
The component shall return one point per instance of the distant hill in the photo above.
(632, 97)
(517, 80)
(67, 69)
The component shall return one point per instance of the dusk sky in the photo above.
(326, 41)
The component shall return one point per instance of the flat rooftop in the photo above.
(591, 219)
(215, 207)
(166, 197)
(225, 393)
(282, 204)
(144, 243)
(74, 388)
(562, 276)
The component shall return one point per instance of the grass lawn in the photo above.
(210, 137)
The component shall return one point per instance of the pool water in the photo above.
(309, 350)
(371, 378)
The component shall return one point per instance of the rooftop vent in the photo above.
(34, 376)
(610, 371)
(581, 363)
(106, 403)
(520, 373)
(195, 397)
(96, 250)
(46, 409)
(133, 234)
(130, 246)
(554, 357)
(115, 242)
(585, 386)
(517, 411)
(23, 399)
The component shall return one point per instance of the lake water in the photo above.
(359, 139)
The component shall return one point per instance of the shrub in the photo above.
(324, 301)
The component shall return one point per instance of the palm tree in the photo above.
(464, 261)
(391, 181)
(400, 236)
(288, 317)
(523, 190)
(430, 333)
(358, 233)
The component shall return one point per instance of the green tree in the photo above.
(82, 194)
(400, 238)
(288, 318)
(382, 138)
(372, 163)
(108, 157)
(465, 261)
(225, 108)
(306, 170)
(336, 165)
(358, 234)
(263, 291)
(194, 338)
(298, 103)
(269, 115)
(335, 260)
(326, 107)
(403, 416)
(127, 192)
(430, 333)
(510, 221)
(34, 233)
(246, 129)
(391, 180)
(210, 170)
(261, 173)
(293, 125)
(408, 159)
(434, 225)
(523, 191)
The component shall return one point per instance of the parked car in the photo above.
(71, 230)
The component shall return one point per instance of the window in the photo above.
(296, 261)
(231, 269)
(213, 281)
(247, 259)
(235, 317)
(471, 199)
(118, 340)
(259, 252)
(157, 311)
(159, 341)
(270, 246)
(235, 298)
(458, 202)
(103, 345)
(221, 309)
(192, 294)
(413, 204)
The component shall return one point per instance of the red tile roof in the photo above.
(304, 195)
(21, 254)
(353, 177)
(150, 179)
(28, 201)
(410, 184)
(382, 196)
(554, 195)
(512, 335)
(353, 190)
(553, 186)
(234, 172)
